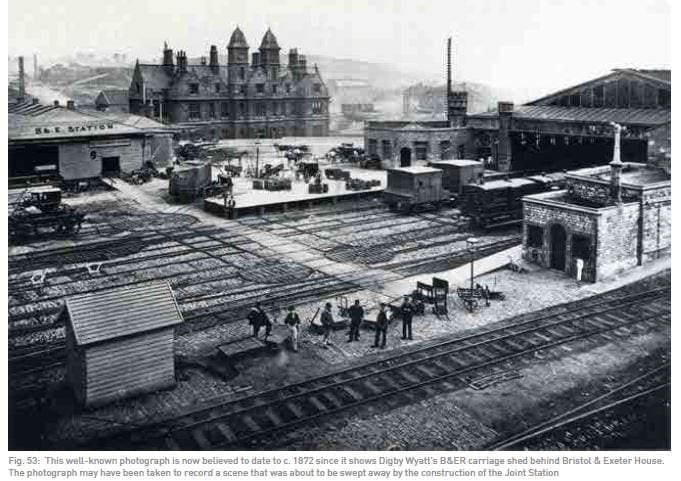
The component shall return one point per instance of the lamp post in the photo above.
(470, 243)
(257, 158)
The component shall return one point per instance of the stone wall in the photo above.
(656, 211)
(575, 221)
(618, 239)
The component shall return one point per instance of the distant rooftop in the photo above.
(457, 162)
(416, 169)
(632, 174)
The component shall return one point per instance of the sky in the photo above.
(522, 45)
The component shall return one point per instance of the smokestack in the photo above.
(449, 80)
(167, 58)
(616, 167)
(35, 66)
(22, 79)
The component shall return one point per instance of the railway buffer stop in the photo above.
(119, 342)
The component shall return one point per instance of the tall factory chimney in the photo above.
(22, 79)
(449, 80)
(457, 102)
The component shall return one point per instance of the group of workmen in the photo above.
(258, 319)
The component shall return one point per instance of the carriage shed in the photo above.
(64, 142)
(119, 342)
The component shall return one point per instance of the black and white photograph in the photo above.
(295, 225)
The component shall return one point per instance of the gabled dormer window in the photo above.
(317, 88)
(194, 89)
(274, 89)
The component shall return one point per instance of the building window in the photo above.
(194, 111)
(242, 109)
(317, 130)
(317, 107)
(193, 88)
(274, 89)
(217, 88)
(260, 88)
(599, 96)
(224, 109)
(575, 100)
(260, 109)
(275, 108)
(138, 88)
(317, 88)
(664, 97)
(581, 247)
(421, 149)
(211, 110)
(387, 149)
(243, 89)
(242, 73)
(535, 236)
(224, 133)
(373, 147)
(288, 88)
(461, 152)
(157, 108)
(445, 149)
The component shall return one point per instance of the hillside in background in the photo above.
(349, 81)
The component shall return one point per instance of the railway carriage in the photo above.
(499, 202)
(412, 187)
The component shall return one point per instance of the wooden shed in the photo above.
(120, 342)
(411, 186)
(458, 172)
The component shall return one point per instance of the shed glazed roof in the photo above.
(115, 313)
(648, 117)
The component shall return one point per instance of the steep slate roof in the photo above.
(269, 40)
(238, 39)
(660, 75)
(115, 97)
(115, 313)
(646, 117)
(155, 76)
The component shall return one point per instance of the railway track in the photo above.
(244, 422)
(577, 427)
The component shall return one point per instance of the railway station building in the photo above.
(244, 98)
(612, 217)
(566, 130)
(68, 144)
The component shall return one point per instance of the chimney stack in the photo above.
(214, 63)
(56, 103)
(616, 168)
(181, 61)
(22, 79)
(71, 105)
(167, 58)
(35, 66)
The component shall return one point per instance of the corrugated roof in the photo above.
(457, 162)
(115, 313)
(648, 117)
(60, 122)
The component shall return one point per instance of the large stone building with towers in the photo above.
(246, 98)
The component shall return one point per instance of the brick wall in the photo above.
(596, 192)
(656, 210)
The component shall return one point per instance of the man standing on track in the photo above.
(407, 311)
(327, 322)
(293, 322)
(356, 313)
(381, 326)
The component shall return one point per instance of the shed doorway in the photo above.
(111, 166)
(405, 157)
(558, 238)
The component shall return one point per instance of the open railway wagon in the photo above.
(415, 187)
(41, 210)
(499, 202)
